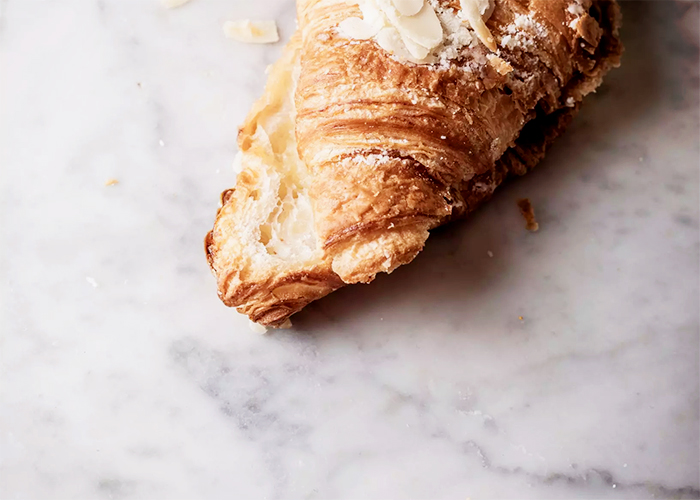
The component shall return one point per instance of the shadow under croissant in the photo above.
(455, 266)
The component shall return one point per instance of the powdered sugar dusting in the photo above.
(527, 23)
(457, 35)
(370, 159)
(378, 158)
(522, 33)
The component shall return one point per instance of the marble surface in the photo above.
(124, 377)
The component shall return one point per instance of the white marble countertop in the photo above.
(124, 377)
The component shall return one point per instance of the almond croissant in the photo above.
(357, 149)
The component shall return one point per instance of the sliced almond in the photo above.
(248, 31)
(418, 52)
(354, 27)
(408, 7)
(471, 12)
(372, 14)
(424, 28)
(390, 40)
(485, 8)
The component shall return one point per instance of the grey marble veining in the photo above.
(124, 377)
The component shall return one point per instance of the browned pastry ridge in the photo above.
(351, 156)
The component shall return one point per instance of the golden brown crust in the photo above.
(394, 149)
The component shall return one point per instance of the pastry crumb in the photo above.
(172, 4)
(489, 253)
(248, 31)
(528, 212)
(576, 9)
(520, 318)
(501, 66)
(111, 182)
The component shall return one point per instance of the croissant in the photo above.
(358, 148)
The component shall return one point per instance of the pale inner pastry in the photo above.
(248, 31)
(421, 31)
(280, 223)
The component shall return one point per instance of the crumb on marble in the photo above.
(111, 182)
(528, 212)
(92, 281)
(172, 4)
(247, 31)
(520, 318)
